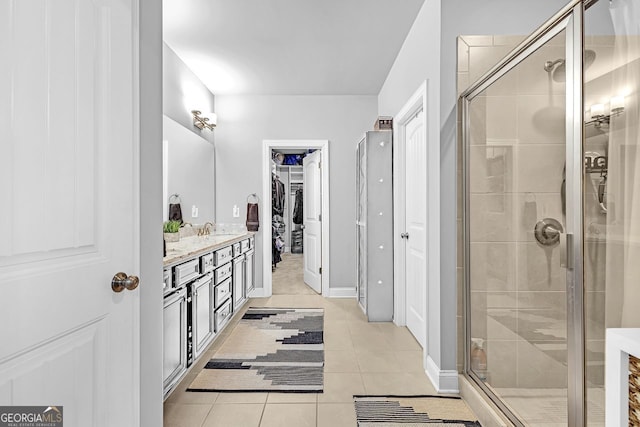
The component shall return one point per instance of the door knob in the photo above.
(120, 281)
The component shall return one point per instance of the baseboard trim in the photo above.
(342, 292)
(445, 381)
(258, 293)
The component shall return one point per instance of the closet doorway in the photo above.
(295, 214)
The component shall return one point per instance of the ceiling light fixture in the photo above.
(201, 121)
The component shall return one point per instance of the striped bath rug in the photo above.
(270, 349)
(413, 411)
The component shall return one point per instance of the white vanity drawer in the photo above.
(223, 255)
(223, 314)
(222, 292)
(223, 272)
(236, 249)
(184, 272)
(244, 246)
(206, 263)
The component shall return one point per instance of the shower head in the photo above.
(558, 66)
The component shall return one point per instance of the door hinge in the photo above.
(320, 165)
(319, 217)
(320, 270)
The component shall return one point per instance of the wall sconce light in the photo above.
(617, 104)
(201, 122)
(597, 110)
(599, 118)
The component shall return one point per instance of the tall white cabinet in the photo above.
(374, 225)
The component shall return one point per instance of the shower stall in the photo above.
(550, 210)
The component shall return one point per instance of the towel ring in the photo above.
(175, 196)
(254, 196)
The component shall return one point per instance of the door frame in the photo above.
(148, 122)
(267, 146)
(416, 103)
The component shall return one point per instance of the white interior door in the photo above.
(415, 234)
(69, 209)
(312, 230)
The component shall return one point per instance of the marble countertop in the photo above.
(189, 247)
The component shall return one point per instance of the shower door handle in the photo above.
(566, 250)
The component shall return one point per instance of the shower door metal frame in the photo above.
(570, 18)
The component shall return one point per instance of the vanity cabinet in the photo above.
(202, 293)
(202, 324)
(175, 338)
(239, 289)
(249, 268)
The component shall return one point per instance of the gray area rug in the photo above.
(413, 411)
(271, 349)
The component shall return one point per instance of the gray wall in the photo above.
(416, 62)
(245, 121)
(191, 171)
(150, 294)
(429, 52)
(182, 92)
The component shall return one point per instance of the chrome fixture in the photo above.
(201, 121)
(547, 231)
(597, 112)
(559, 71)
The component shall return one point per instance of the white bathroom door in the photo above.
(415, 222)
(312, 214)
(69, 209)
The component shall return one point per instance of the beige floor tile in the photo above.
(397, 383)
(377, 361)
(340, 361)
(181, 396)
(371, 341)
(242, 398)
(336, 415)
(338, 340)
(292, 398)
(235, 414)
(410, 361)
(340, 387)
(398, 337)
(289, 415)
(184, 415)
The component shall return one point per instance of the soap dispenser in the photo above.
(478, 358)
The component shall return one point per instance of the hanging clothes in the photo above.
(277, 196)
(297, 208)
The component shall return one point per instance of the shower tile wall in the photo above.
(518, 299)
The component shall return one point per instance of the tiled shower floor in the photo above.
(548, 407)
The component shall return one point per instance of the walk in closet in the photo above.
(287, 197)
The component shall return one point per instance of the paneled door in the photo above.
(312, 214)
(415, 238)
(69, 209)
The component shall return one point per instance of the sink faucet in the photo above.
(207, 228)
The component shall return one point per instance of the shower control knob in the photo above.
(547, 231)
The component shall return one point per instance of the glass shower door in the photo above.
(515, 218)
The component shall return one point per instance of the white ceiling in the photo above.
(289, 47)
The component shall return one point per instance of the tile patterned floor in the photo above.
(360, 358)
